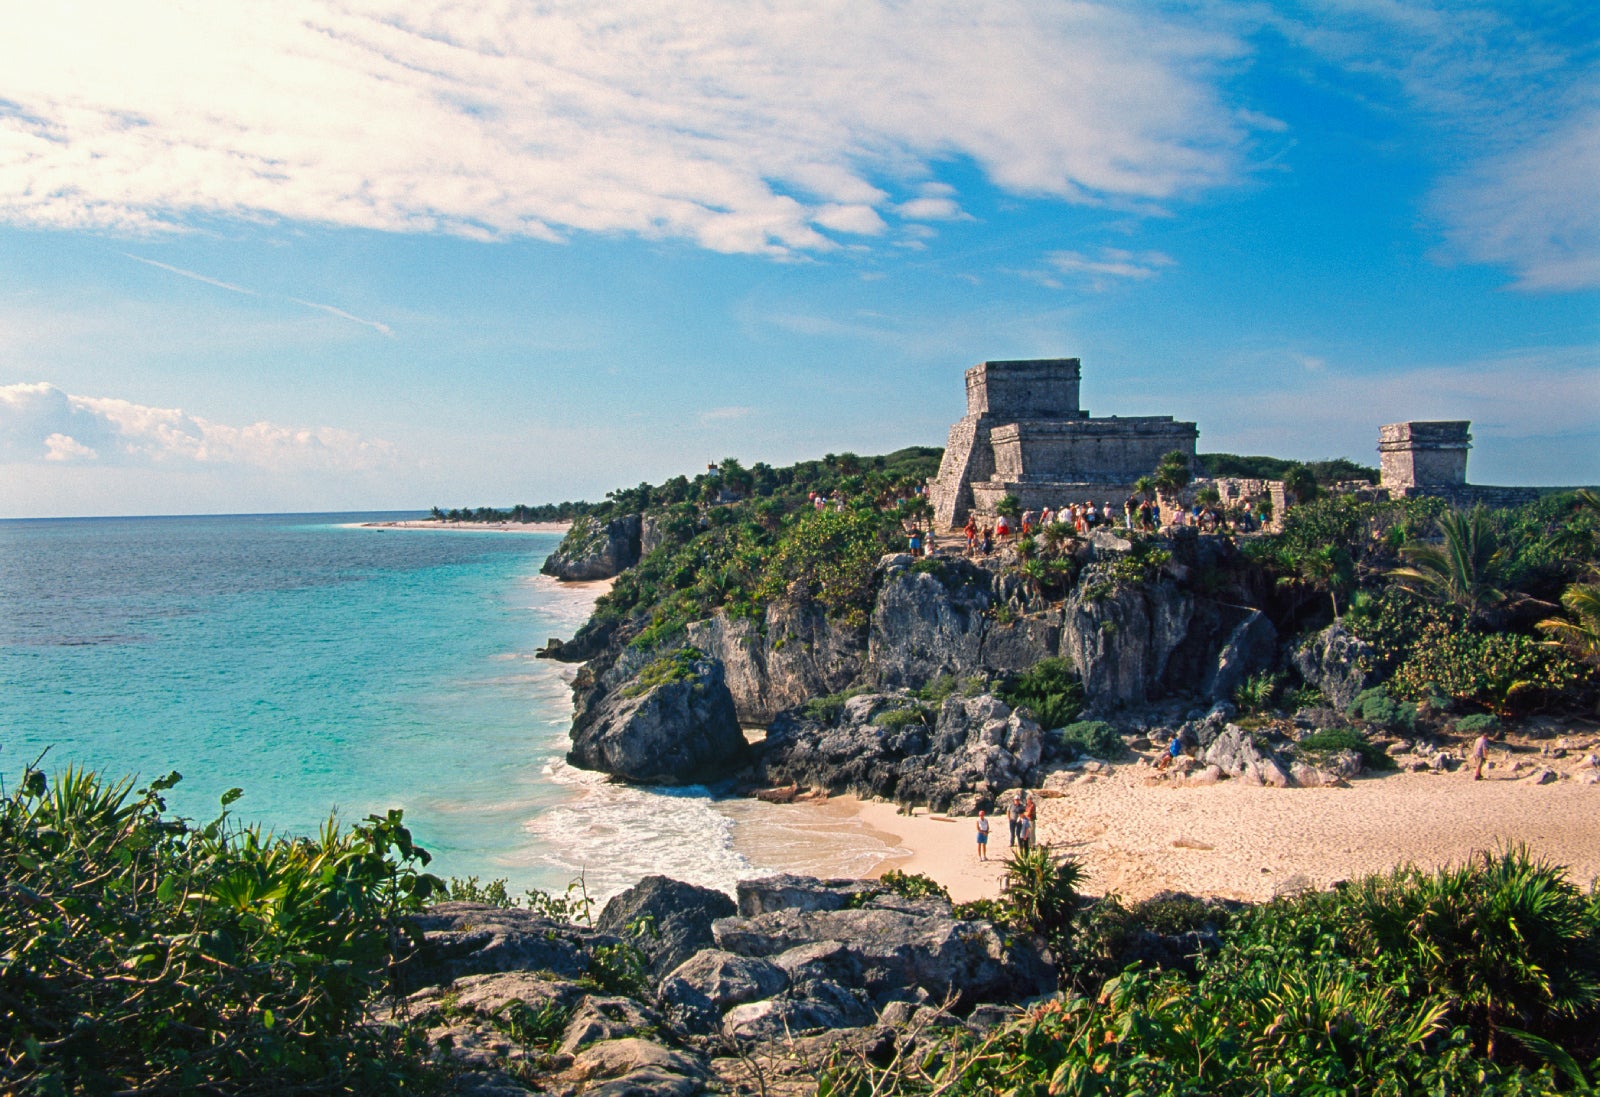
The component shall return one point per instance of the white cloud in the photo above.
(1535, 209)
(1507, 93)
(1110, 263)
(40, 422)
(741, 128)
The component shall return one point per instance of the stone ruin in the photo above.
(1429, 457)
(1025, 435)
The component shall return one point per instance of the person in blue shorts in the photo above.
(983, 836)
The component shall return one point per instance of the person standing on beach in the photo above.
(1479, 754)
(1014, 817)
(1025, 833)
(983, 836)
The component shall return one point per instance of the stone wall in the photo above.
(1107, 451)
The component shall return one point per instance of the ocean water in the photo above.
(324, 666)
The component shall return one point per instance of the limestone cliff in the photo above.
(593, 549)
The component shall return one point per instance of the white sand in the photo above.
(491, 527)
(1246, 842)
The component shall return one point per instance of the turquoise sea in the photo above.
(324, 665)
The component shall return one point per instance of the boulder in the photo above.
(600, 1017)
(891, 953)
(1544, 775)
(1332, 661)
(675, 919)
(701, 989)
(817, 1006)
(635, 1067)
(460, 939)
(787, 892)
(681, 731)
(596, 550)
(1235, 753)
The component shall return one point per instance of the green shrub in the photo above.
(827, 710)
(937, 689)
(1095, 738)
(493, 893)
(1332, 740)
(913, 885)
(1299, 697)
(898, 718)
(1478, 723)
(142, 952)
(1375, 706)
(1049, 689)
(1500, 670)
(1257, 692)
(675, 666)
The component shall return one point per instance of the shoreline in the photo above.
(1237, 841)
(474, 527)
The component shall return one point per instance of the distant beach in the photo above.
(476, 527)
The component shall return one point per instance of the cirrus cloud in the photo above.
(40, 422)
(743, 128)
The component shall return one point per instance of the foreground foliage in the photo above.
(142, 952)
(1481, 978)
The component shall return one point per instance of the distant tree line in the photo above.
(1332, 471)
(521, 513)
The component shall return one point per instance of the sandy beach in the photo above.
(480, 527)
(1245, 842)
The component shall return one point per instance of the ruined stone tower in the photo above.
(1424, 454)
(1025, 435)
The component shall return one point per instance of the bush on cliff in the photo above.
(140, 952)
(1049, 689)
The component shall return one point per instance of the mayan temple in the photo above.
(1025, 435)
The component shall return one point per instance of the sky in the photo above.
(312, 255)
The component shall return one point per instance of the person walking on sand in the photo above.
(1479, 754)
(983, 836)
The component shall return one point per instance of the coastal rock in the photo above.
(679, 732)
(891, 953)
(460, 939)
(1120, 635)
(792, 654)
(885, 746)
(603, 1017)
(596, 550)
(818, 1006)
(1251, 646)
(1235, 753)
(700, 990)
(1332, 662)
(677, 917)
(787, 892)
(635, 1067)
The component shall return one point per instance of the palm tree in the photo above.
(1463, 570)
(1328, 568)
(1173, 474)
(1581, 635)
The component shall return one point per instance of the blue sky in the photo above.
(308, 255)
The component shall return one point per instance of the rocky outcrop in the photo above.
(1238, 755)
(1251, 646)
(596, 550)
(806, 968)
(681, 731)
(1332, 661)
(1121, 635)
(668, 921)
(891, 746)
(792, 654)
